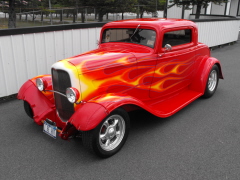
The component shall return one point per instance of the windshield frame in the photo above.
(143, 36)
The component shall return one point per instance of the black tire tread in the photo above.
(90, 141)
(28, 109)
(87, 139)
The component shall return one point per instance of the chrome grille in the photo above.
(61, 81)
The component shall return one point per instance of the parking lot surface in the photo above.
(202, 141)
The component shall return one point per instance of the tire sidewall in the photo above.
(96, 145)
(207, 92)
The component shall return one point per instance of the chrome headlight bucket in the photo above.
(72, 94)
(41, 84)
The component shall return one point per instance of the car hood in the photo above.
(106, 56)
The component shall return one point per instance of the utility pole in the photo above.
(138, 11)
(50, 8)
(165, 9)
(12, 14)
(156, 15)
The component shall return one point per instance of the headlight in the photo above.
(72, 94)
(41, 84)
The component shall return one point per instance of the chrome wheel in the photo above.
(111, 132)
(212, 80)
(110, 135)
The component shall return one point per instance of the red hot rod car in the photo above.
(154, 64)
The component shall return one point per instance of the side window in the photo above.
(179, 37)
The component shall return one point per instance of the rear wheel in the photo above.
(110, 135)
(28, 109)
(212, 82)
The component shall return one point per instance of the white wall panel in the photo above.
(25, 56)
(176, 12)
(40, 52)
(228, 8)
(84, 36)
(9, 64)
(218, 9)
(77, 42)
(67, 38)
(59, 45)
(30, 55)
(202, 9)
(20, 67)
(49, 50)
(92, 39)
(233, 7)
(218, 32)
(3, 79)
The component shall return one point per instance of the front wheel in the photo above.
(212, 82)
(110, 135)
(28, 109)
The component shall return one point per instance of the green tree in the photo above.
(20, 4)
(149, 6)
(199, 3)
(102, 6)
(76, 5)
(25, 6)
(124, 6)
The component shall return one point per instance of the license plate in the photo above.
(50, 129)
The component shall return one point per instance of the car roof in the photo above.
(151, 22)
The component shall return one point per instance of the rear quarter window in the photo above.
(179, 37)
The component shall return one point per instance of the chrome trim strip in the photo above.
(57, 92)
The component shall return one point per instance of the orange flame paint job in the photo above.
(119, 74)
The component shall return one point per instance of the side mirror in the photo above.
(168, 47)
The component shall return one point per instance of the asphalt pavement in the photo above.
(202, 141)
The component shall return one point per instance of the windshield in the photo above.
(144, 37)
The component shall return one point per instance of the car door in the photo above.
(174, 69)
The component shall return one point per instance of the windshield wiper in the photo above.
(134, 32)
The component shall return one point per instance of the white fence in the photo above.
(176, 12)
(214, 33)
(27, 55)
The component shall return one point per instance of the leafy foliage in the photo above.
(150, 6)
(102, 7)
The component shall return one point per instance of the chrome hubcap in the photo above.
(212, 80)
(112, 132)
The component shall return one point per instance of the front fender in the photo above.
(88, 116)
(204, 67)
(39, 103)
(48, 94)
(91, 113)
(112, 101)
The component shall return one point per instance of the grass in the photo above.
(46, 22)
(26, 23)
(3, 23)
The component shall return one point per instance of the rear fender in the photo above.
(204, 67)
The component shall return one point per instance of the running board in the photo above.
(173, 104)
